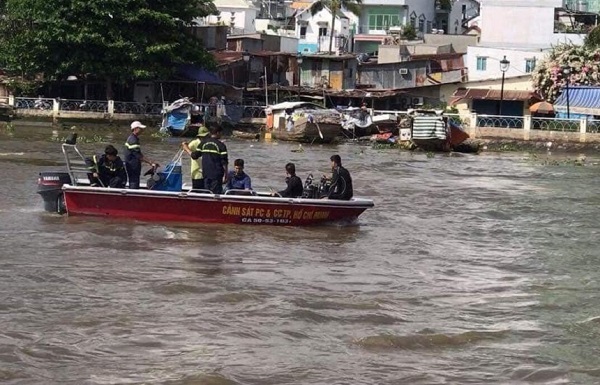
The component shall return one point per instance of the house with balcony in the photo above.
(314, 31)
(379, 17)
(457, 20)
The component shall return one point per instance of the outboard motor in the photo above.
(50, 188)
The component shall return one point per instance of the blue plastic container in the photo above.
(171, 178)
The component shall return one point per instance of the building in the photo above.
(238, 15)
(256, 42)
(378, 17)
(420, 78)
(314, 31)
(583, 5)
(459, 18)
(332, 72)
(485, 95)
(534, 19)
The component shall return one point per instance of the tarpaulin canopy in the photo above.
(581, 100)
(198, 74)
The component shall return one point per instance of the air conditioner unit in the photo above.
(403, 71)
(417, 101)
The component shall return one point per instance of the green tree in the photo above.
(566, 64)
(116, 40)
(409, 32)
(592, 40)
(335, 7)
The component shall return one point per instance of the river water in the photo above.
(475, 269)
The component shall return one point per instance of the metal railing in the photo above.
(83, 105)
(555, 124)
(499, 121)
(138, 108)
(593, 126)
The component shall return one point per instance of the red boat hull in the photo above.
(161, 206)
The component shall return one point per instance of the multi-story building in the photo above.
(314, 31)
(583, 5)
(379, 17)
(521, 31)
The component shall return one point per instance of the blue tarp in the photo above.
(177, 119)
(200, 75)
(583, 100)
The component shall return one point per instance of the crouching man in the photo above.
(107, 170)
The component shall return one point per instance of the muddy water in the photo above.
(472, 269)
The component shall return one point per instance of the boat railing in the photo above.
(75, 167)
(234, 191)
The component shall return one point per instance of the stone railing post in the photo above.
(111, 108)
(473, 121)
(526, 126)
(11, 100)
(583, 122)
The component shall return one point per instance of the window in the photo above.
(322, 31)
(303, 32)
(481, 63)
(529, 65)
(382, 22)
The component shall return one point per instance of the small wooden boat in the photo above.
(303, 122)
(358, 122)
(432, 131)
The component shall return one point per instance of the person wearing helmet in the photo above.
(196, 167)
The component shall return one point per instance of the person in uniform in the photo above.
(196, 167)
(107, 170)
(214, 161)
(134, 156)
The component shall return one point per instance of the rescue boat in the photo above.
(69, 192)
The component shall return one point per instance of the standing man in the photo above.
(341, 182)
(196, 168)
(134, 156)
(214, 161)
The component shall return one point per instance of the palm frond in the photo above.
(353, 6)
(316, 7)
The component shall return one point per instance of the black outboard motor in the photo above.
(50, 188)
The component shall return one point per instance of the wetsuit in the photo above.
(294, 187)
(341, 184)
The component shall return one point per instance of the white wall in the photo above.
(244, 18)
(341, 28)
(521, 23)
(494, 55)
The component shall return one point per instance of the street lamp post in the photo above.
(504, 65)
(567, 72)
(299, 61)
(246, 57)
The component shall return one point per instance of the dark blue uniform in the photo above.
(110, 174)
(133, 161)
(214, 163)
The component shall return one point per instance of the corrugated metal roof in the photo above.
(582, 100)
(475, 93)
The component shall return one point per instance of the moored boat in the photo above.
(303, 122)
(359, 122)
